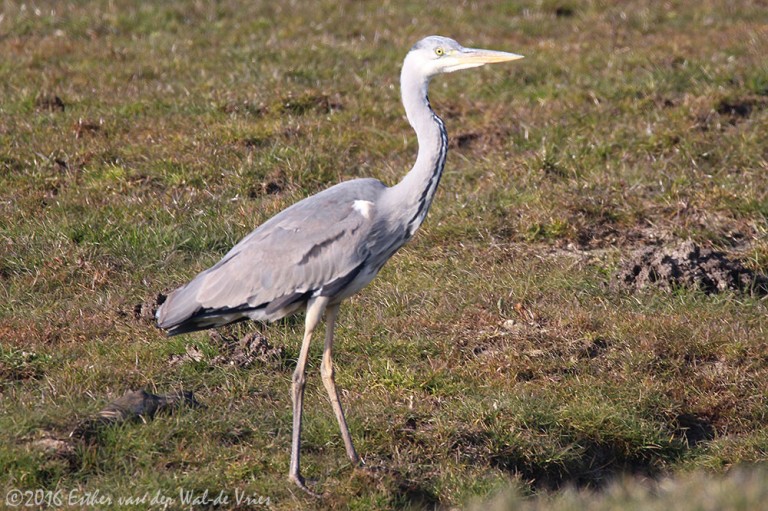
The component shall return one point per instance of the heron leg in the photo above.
(315, 309)
(326, 371)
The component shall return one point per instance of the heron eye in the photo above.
(439, 52)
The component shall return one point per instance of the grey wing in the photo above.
(315, 247)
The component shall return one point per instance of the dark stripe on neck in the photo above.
(429, 191)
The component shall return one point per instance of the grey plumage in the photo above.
(310, 248)
(327, 247)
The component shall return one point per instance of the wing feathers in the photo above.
(317, 245)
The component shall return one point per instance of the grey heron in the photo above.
(329, 246)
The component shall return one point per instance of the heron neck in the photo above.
(417, 189)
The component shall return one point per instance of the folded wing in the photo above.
(315, 247)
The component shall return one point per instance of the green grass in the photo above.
(490, 363)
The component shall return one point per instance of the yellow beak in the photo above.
(472, 57)
(480, 57)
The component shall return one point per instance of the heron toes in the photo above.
(299, 481)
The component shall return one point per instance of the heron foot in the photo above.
(299, 481)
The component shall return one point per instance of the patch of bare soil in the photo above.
(726, 111)
(601, 233)
(145, 311)
(693, 429)
(687, 265)
(740, 108)
(49, 103)
(252, 348)
(275, 182)
(243, 353)
(85, 127)
(191, 354)
(491, 138)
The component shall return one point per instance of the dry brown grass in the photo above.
(138, 142)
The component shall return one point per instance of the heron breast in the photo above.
(361, 280)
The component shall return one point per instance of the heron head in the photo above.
(436, 54)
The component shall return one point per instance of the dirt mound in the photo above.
(687, 265)
(145, 311)
(243, 353)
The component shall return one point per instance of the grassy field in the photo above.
(492, 363)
